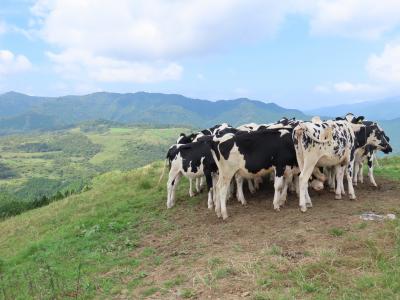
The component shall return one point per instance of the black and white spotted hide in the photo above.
(191, 160)
(251, 155)
(331, 144)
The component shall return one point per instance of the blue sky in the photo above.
(296, 53)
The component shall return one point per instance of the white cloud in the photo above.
(386, 66)
(140, 41)
(11, 63)
(143, 41)
(347, 87)
(74, 64)
(355, 18)
(156, 29)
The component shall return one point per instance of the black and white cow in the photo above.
(369, 139)
(191, 160)
(329, 143)
(366, 153)
(253, 154)
(183, 138)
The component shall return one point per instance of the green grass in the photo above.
(336, 232)
(37, 165)
(93, 232)
(91, 245)
(388, 167)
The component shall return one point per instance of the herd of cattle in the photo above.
(293, 153)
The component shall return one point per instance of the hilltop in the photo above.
(118, 240)
(21, 113)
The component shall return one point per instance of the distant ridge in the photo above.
(384, 109)
(136, 108)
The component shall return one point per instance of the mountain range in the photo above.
(20, 113)
(384, 109)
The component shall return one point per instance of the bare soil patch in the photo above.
(258, 253)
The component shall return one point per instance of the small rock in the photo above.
(391, 216)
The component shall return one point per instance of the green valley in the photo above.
(55, 164)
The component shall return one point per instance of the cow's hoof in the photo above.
(309, 205)
(244, 203)
(338, 196)
(303, 208)
(277, 208)
(210, 207)
(374, 185)
(352, 197)
(224, 217)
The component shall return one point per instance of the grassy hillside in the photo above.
(47, 164)
(118, 240)
(388, 167)
(21, 113)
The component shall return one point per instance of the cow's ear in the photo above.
(359, 120)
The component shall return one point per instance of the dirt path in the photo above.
(215, 259)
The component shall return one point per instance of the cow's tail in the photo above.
(297, 136)
(163, 171)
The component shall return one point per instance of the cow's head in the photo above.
(375, 136)
(317, 184)
(185, 139)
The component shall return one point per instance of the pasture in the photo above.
(54, 164)
(119, 241)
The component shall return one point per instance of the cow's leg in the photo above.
(198, 184)
(214, 182)
(297, 185)
(251, 186)
(209, 181)
(308, 199)
(342, 181)
(201, 183)
(177, 179)
(257, 181)
(231, 190)
(371, 171)
(360, 173)
(173, 173)
(239, 189)
(292, 184)
(172, 183)
(191, 194)
(278, 186)
(339, 179)
(356, 171)
(288, 178)
(305, 174)
(331, 178)
(349, 176)
(279, 183)
(222, 187)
